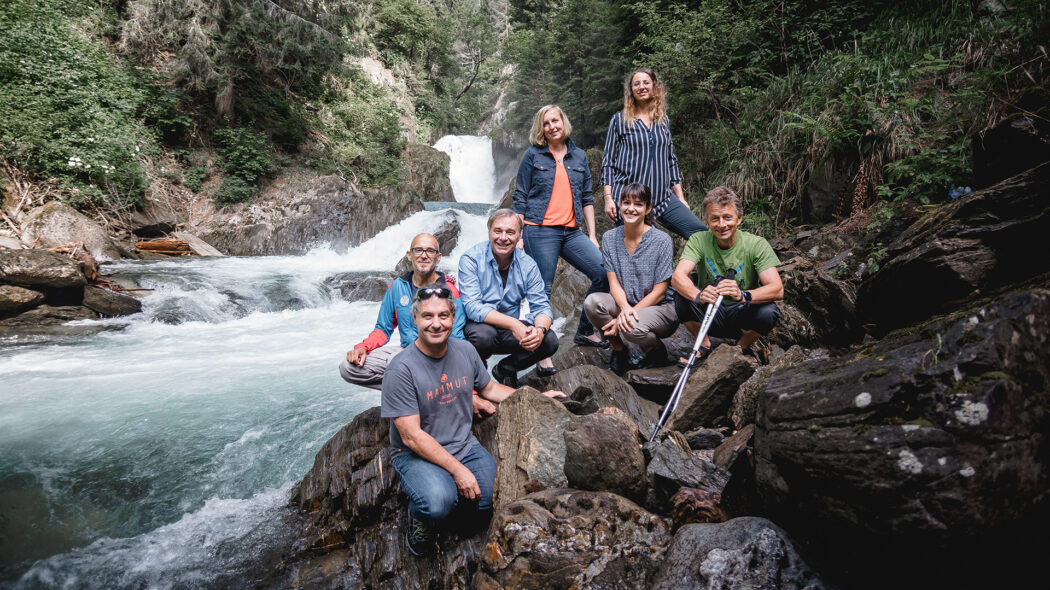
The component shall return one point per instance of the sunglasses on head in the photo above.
(428, 292)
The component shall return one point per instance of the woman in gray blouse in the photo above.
(639, 261)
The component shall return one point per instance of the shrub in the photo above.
(245, 154)
(234, 189)
(67, 110)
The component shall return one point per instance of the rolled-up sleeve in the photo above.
(587, 195)
(470, 288)
(536, 293)
(522, 183)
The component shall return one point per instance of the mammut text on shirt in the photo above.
(749, 256)
(439, 390)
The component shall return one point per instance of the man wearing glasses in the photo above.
(428, 396)
(366, 363)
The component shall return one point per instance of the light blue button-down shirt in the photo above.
(481, 290)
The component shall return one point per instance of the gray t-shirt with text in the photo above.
(439, 390)
(651, 263)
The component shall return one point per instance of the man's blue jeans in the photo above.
(546, 243)
(432, 493)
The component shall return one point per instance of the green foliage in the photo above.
(569, 55)
(193, 178)
(234, 189)
(763, 94)
(245, 154)
(67, 110)
(361, 131)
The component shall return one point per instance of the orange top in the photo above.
(559, 209)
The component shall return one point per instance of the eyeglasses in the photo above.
(428, 292)
(428, 251)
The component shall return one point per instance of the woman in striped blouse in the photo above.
(638, 148)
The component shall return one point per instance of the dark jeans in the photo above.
(545, 244)
(732, 317)
(680, 220)
(432, 493)
(489, 340)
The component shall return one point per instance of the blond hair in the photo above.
(536, 136)
(631, 108)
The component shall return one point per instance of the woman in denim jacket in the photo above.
(552, 194)
(638, 148)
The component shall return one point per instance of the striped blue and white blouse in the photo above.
(641, 154)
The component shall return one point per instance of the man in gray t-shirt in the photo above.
(428, 394)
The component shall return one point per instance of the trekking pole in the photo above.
(705, 325)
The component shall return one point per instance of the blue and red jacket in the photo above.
(397, 303)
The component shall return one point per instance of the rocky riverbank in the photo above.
(898, 437)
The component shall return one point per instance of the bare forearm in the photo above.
(683, 286)
(495, 392)
(654, 297)
(428, 448)
(588, 216)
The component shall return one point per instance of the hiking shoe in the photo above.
(418, 537)
(504, 375)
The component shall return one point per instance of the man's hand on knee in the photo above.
(466, 483)
(357, 356)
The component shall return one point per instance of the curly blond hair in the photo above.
(631, 108)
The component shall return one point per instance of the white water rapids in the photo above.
(160, 453)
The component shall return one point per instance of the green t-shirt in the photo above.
(749, 256)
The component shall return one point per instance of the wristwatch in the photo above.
(544, 329)
(745, 298)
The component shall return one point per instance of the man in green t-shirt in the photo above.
(748, 310)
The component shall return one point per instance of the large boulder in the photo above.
(355, 520)
(360, 286)
(931, 445)
(746, 552)
(710, 389)
(530, 444)
(156, 218)
(829, 305)
(39, 268)
(672, 467)
(742, 408)
(593, 388)
(974, 245)
(566, 538)
(602, 454)
(110, 303)
(58, 224)
(15, 299)
(427, 173)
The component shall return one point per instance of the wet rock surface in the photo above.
(565, 538)
(14, 299)
(974, 245)
(602, 453)
(746, 552)
(109, 303)
(935, 436)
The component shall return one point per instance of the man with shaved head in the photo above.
(366, 363)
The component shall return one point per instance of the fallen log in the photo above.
(164, 246)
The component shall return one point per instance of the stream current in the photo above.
(160, 452)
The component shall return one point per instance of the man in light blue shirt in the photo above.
(494, 277)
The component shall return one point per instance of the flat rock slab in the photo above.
(109, 303)
(14, 299)
(39, 268)
(746, 552)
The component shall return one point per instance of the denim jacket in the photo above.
(535, 183)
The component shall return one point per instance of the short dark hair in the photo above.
(436, 289)
(638, 191)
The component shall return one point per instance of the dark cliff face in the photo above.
(301, 210)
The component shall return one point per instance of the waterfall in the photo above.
(157, 450)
